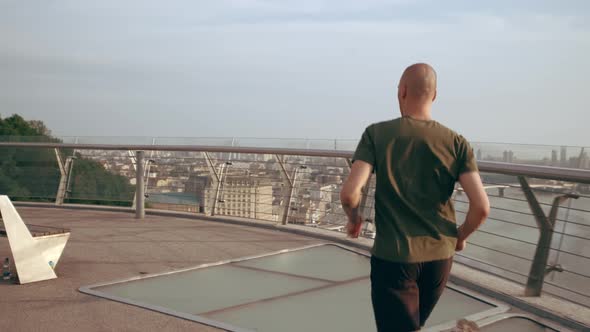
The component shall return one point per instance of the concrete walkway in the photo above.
(108, 246)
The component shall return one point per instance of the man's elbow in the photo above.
(346, 198)
(349, 195)
(483, 210)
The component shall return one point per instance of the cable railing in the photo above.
(302, 186)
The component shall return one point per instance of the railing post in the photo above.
(289, 200)
(291, 187)
(216, 183)
(61, 190)
(134, 164)
(546, 225)
(219, 188)
(139, 186)
(567, 213)
(65, 171)
(146, 166)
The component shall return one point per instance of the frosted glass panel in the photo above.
(340, 308)
(208, 289)
(323, 288)
(325, 262)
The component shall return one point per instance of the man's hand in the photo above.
(461, 240)
(479, 207)
(460, 245)
(353, 228)
(350, 196)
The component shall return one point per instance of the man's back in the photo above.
(417, 163)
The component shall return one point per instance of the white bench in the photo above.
(35, 257)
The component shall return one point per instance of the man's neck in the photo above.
(418, 112)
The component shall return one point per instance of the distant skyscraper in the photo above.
(508, 156)
(585, 161)
(478, 154)
(563, 155)
(553, 157)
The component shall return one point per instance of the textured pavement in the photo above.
(107, 246)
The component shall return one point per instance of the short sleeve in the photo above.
(365, 150)
(465, 157)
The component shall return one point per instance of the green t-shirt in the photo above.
(417, 164)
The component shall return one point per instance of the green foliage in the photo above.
(26, 172)
(17, 126)
(102, 184)
(33, 173)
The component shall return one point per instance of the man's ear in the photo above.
(434, 97)
(403, 92)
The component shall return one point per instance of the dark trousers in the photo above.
(404, 294)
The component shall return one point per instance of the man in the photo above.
(417, 162)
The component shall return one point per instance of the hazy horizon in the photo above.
(508, 72)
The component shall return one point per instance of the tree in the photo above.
(33, 173)
(102, 185)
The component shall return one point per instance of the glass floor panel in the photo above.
(325, 262)
(324, 287)
(454, 305)
(208, 289)
(341, 308)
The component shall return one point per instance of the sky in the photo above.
(509, 71)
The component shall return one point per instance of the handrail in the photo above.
(534, 171)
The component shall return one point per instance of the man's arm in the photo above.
(350, 195)
(479, 206)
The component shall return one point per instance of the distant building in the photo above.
(239, 195)
(322, 198)
(198, 184)
(563, 155)
(242, 196)
(553, 157)
(585, 161)
(580, 162)
(304, 211)
(508, 156)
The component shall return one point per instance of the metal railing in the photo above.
(538, 232)
(531, 154)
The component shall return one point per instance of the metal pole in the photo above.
(216, 183)
(65, 170)
(291, 186)
(61, 190)
(567, 216)
(289, 198)
(218, 189)
(546, 226)
(134, 164)
(139, 186)
(70, 168)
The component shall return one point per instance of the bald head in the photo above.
(418, 83)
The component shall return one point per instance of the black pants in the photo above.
(404, 294)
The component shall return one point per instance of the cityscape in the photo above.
(254, 185)
(189, 165)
